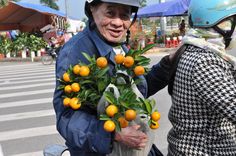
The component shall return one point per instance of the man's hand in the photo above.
(132, 137)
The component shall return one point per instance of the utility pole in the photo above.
(163, 21)
(66, 9)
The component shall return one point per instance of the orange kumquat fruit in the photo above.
(68, 89)
(111, 110)
(139, 70)
(154, 125)
(75, 87)
(66, 77)
(101, 62)
(123, 123)
(130, 114)
(155, 116)
(119, 58)
(76, 69)
(74, 103)
(84, 71)
(128, 61)
(66, 102)
(109, 126)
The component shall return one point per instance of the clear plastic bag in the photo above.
(122, 150)
(142, 120)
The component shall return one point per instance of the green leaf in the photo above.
(127, 94)
(148, 106)
(130, 52)
(139, 58)
(104, 117)
(60, 80)
(153, 103)
(153, 122)
(94, 95)
(87, 93)
(61, 87)
(123, 103)
(136, 107)
(110, 97)
(137, 52)
(148, 47)
(87, 56)
(86, 82)
(101, 85)
(131, 98)
(118, 128)
(144, 62)
(137, 81)
(103, 72)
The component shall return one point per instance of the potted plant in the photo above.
(161, 41)
(150, 38)
(29, 41)
(20, 43)
(6, 47)
(2, 55)
(36, 43)
(140, 38)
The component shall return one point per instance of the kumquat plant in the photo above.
(112, 92)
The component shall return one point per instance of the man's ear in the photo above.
(91, 9)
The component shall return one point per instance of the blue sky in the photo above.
(76, 7)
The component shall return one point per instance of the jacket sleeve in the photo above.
(81, 129)
(159, 76)
(215, 84)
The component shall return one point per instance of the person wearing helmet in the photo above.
(203, 111)
(104, 35)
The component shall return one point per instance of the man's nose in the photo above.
(117, 22)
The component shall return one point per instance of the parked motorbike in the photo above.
(50, 55)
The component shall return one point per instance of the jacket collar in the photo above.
(103, 48)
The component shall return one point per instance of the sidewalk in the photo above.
(158, 50)
(19, 59)
(155, 50)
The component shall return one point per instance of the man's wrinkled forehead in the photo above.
(126, 8)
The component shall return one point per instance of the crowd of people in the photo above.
(200, 75)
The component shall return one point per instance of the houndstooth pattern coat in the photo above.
(203, 111)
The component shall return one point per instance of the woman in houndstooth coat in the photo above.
(203, 111)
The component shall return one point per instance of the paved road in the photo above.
(27, 119)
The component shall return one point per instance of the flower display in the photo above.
(111, 92)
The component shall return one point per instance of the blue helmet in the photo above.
(209, 13)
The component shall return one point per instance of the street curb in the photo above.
(19, 59)
(38, 59)
(160, 50)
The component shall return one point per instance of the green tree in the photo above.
(50, 3)
(143, 3)
(84, 20)
(5, 2)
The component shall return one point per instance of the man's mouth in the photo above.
(115, 33)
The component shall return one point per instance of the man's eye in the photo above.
(125, 16)
(110, 13)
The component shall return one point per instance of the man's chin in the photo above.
(114, 40)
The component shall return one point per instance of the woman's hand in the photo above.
(132, 137)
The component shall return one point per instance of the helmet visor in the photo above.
(134, 3)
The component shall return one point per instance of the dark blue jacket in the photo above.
(83, 132)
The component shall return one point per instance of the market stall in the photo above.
(169, 8)
(28, 17)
